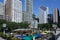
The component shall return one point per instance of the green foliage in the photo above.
(1, 22)
(24, 24)
(13, 38)
(3, 35)
(13, 25)
(44, 26)
(8, 37)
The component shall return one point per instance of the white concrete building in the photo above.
(55, 15)
(2, 15)
(14, 10)
(43, 15)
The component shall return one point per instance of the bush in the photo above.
(15, 38)
(3, 35)
(8, 37)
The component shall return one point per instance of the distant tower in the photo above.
(55, 15)
(28, 10)
(14, 10)
(43, 15)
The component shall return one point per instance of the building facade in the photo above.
(55, 15)
(4, 2)
(2, 15)
(43, 15)
(28, 10)
(23, 16)
(14, 10)
(50, 18)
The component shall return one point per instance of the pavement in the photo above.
(58, 33)
(58, 38)
(1, 38)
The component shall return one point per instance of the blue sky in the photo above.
(51, 4)
(1, 0)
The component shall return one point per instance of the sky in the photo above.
(51, 4)
(1, 0)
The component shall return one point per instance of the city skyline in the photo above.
(51, 4)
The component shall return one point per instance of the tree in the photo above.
(1, 23)
(24, 24)
(44, 26)
(40, 26)
(11, 25)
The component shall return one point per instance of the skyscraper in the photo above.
(43, 15)
(2, 15)
(55, 15)
(14, 10)
(4, 1)
(28, 10)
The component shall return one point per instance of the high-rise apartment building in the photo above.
(14, 10)
(43, 15)
(2, 15)
(28, 10)
(4, 2)
(55, 15)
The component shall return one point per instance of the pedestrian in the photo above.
(27, 37)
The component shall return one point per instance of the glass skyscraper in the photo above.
(28, 11)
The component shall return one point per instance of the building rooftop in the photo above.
(43, 8)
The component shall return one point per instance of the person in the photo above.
(27, 37)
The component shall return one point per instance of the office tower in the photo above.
(55, 18)
(14, 10)
(43, 15)
(4, 2)
(28, 10)
(50, 18)
(2, 11)
(55, 15)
